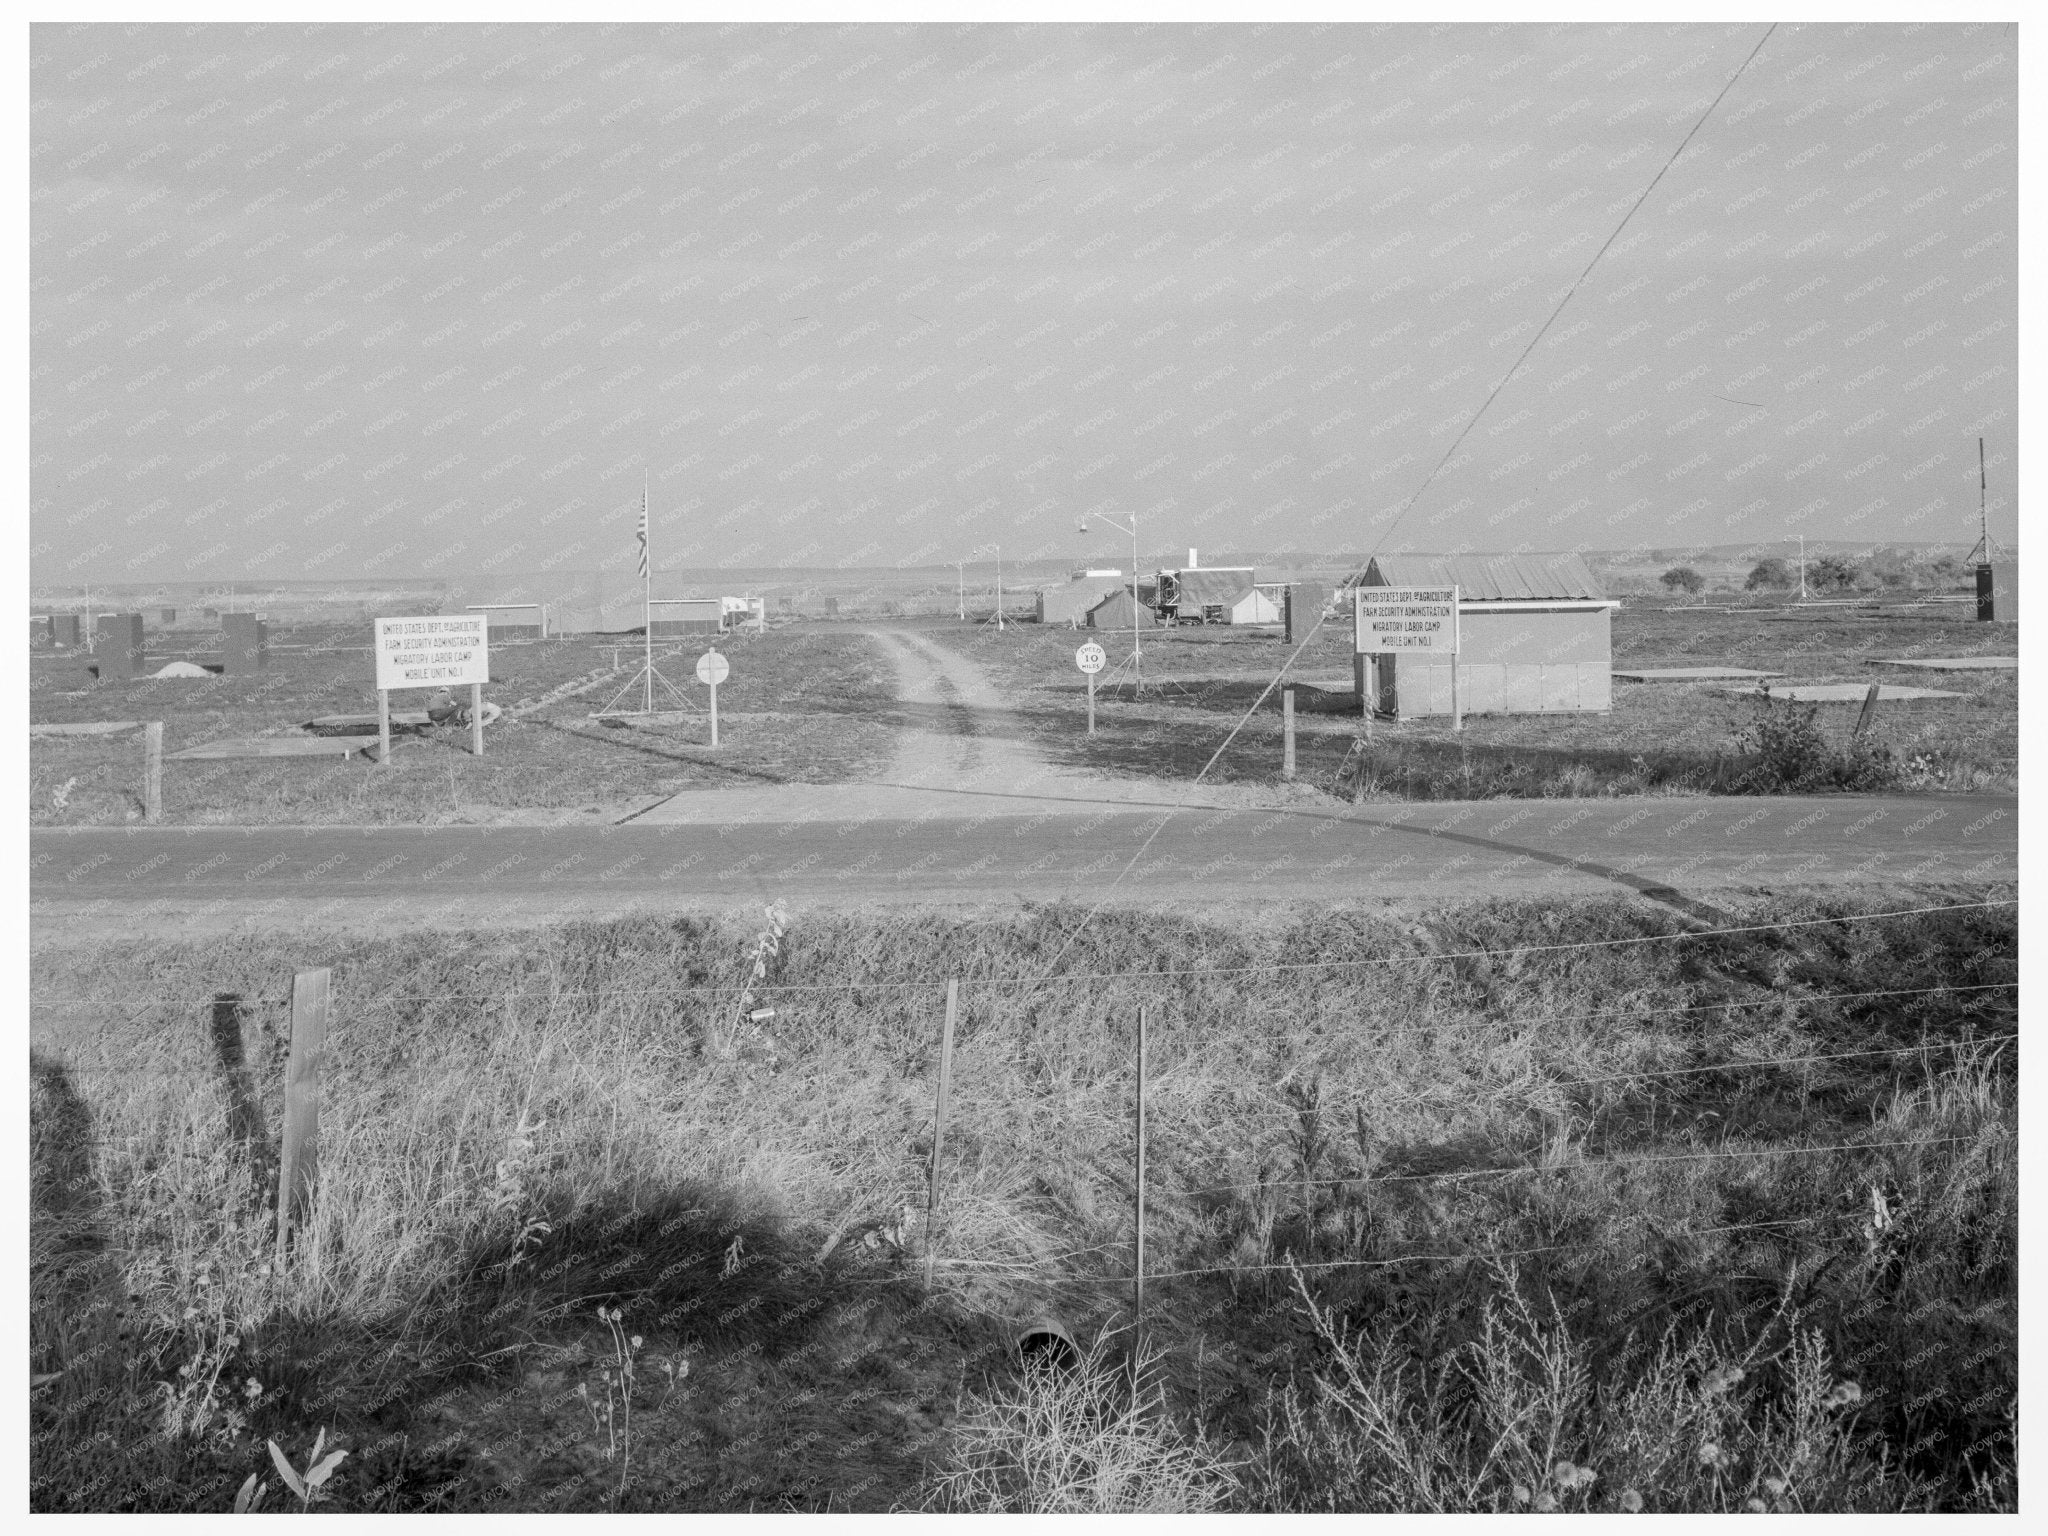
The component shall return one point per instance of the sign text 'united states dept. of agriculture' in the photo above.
(434, 651)
(1390, 619)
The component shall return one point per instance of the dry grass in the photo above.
(518, 1130)
(801, 706)
(1660, 738)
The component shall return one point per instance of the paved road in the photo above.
(1675, 850)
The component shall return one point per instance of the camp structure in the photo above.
(687, 615)
(1215, 595)
(1534, 638)
(1069, 604)
(1115, 612)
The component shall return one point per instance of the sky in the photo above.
(339, 301)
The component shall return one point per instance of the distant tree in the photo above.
(1831, 573)
(1771, 575)
(1683, 578)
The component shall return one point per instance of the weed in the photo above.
(311, 1484)
(1079, 1441)
(1789, 755)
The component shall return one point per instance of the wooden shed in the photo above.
(1535, 638)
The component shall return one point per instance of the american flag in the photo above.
(643, 538)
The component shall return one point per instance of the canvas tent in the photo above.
(1114, 613)
(1069, 604)
(1534, 638)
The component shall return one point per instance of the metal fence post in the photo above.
(153, 771)
(1138, 1249)
(300, 1158)
(931, 1210)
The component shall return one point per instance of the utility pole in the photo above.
(1802, 567)
(999, 586)
(962, 565)
(1137, 647)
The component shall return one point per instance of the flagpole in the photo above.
(647, 595)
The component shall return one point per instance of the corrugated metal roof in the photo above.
(1480, 578)
(1213, 588)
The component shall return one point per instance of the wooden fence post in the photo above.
(383, 727)
(1869, 709)
(153, 771)
(300, 1159)
(476, 719)
(931, 1209)
(1287, 733)
(1138, 1251)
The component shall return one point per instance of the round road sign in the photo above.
(1091, 657)
(712, 669)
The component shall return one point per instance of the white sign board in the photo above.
(712, 669)
(1398, 620)
(434, 652)
(1091, 658)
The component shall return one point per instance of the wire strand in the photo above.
(1257, 968)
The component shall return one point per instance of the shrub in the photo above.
(1791, 756)
(1079, 1441)
(1832, 573)
(1768, 575)
(1683, 578)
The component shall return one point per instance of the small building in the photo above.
(1998, 591)
(1535, 637)
(1070, 604)
(1115, 612)
(687, 616)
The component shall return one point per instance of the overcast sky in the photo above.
(328, 301)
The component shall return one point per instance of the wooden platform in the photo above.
(1693, 675)
(357, 722)
(276, 746)
(86, 728)
(1850, 693)
(1957, 663)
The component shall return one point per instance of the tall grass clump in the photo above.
(1533, 1413)
(1091, 1438)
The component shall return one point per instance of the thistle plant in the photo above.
(767, 945)
(612, 1416)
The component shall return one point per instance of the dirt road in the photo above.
(959, 754)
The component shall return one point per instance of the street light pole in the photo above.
(1137, 647)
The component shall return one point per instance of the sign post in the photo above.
(1396, 621)
(1091, 658)
(434, 651)
(713, 669)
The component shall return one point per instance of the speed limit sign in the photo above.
(1091, 658)
(713, 669)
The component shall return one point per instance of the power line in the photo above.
(1387, 533)
(1641, 1160)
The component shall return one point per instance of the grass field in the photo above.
(1586, 1211)
(799, 706)
(1672, 738)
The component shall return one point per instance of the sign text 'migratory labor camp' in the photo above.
(433, 651)
(1391, 619)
